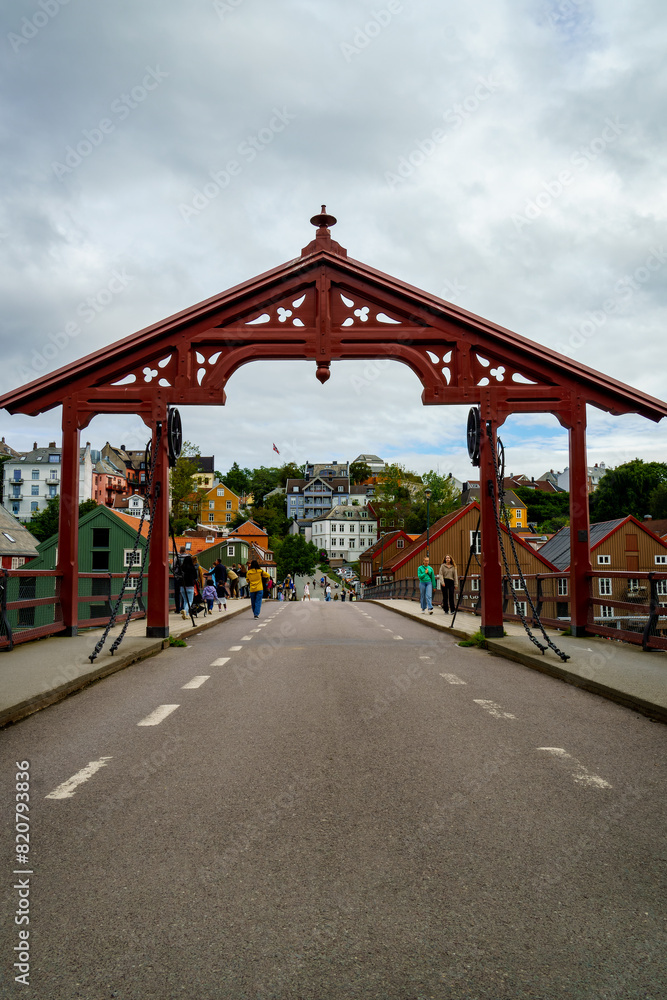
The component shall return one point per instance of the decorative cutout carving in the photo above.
(163, 369)
(494, 372)
(299, 311)
(348, 312)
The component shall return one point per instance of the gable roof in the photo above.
(15, 539)
(222, 324)
(443, 524)
(557, 549)
(247, 530)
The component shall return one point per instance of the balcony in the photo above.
(53, 480)
(16, 479)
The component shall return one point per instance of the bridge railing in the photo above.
(30, 605)
(628, 605)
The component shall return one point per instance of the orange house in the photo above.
(218, 506)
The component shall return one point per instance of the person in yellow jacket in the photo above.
(255, 577)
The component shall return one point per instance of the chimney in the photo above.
(34, 447)
(122, 447)
(52, 444)
(648, 517)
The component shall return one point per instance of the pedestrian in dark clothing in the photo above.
(189, 576)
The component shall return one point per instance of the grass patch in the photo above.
(476, 639)
(175, 641)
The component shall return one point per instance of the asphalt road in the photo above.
(348, 806)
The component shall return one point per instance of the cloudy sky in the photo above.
(541, 205)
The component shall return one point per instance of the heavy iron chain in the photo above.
(140, 583)
(536, 618)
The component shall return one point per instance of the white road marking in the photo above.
(580, 773)
(426, 658)
(398, 637)
(220, 662)
(196, 682)
(254, 630)
(495, 710)
(66, 790)
(158, 715)
(246, 638)
(453, 679)
(235, 649)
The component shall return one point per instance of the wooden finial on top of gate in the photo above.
(323, 239)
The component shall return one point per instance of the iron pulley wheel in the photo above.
(174, 436)
(473, 434)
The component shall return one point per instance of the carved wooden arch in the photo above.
(324, 307)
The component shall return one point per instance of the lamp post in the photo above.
(427, 494)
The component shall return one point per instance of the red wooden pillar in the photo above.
(492, 578)
(68, 531)
(580, 549)
(157, 617)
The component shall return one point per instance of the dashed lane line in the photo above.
(453, 679)
(235, 649)
(156, 717)
(246, 638)
(579, 772)
(196, 682)
(67, 789)
(220, 662)
(495, 710)
(398, 637)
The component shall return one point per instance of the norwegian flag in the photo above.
(276, 450)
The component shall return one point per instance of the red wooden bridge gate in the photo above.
(325, 307)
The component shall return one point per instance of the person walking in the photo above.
(256, 576)
(306, 592)
(426, 585)
(448, 578)
(189, 578)
(210, 595)
(342, 596)
(220, 579)
(233, 580)
(327, 592)
(243, 585)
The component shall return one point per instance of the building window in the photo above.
(520, 608)
(519, 513)
(352, 543)
(53, 474)
(562, 586)
(604, 560)
(211, 505)
(661, 587)
(476, 542)
(34, 506)
(229, 504)
(474, 583)
(101, 538)
(633, 586)
(131, 558)
(221, 493)
(228, 517)
(35, 473)
(660, 560)
(230, 550)
(606, 611)
(400, 544)
(211, 517)
(604, 586)
(15, 508)
(34, 491)
(362, 528)
(54, 458)
(53, 491)
(516, 582)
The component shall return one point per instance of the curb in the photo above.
(498, 647)
(112, 665)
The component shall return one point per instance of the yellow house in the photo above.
(218, 506)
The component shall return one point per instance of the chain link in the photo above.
(140, 583)
(536, 618)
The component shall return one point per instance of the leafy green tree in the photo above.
(290, 470)
(360, 472)
(262, 481)
(45, 522)
(658, 501)
(183, 487)
(627, 490)
(296, 556)
(272, 517)
(237, 479)
(545, 509)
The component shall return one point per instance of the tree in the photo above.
(290, 470)
(183, 485)
(627, 490)
(45, 522)
(262, 481)
(272, 517)
(658, 501)
(296, 556)
(549, 511)
(360, 472)
(237, 480)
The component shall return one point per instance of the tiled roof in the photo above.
(133, 522)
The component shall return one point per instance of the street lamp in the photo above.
(427, 494)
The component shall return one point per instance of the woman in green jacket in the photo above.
(426, 585)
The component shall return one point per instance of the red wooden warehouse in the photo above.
(323, 307)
